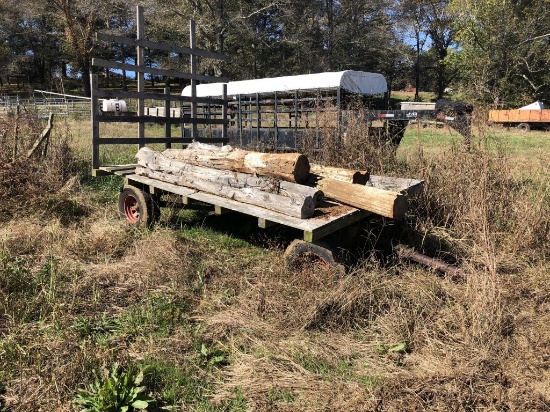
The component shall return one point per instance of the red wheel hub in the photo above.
(131, 209)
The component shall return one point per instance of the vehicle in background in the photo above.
(532, 116)
(274, 113)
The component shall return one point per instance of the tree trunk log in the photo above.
(379, 201)
(283, 197)
(292, 167)
(360, 177)
(159, 162)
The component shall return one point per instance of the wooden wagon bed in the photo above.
(328, 218)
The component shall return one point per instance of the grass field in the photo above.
(203, 306)
(528, 151)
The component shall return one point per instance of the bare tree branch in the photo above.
(536, 38)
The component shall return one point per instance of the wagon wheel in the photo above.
(137, 207)
(300, 253)
(524, 127)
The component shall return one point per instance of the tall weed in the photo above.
(27, 180)
(494, 218)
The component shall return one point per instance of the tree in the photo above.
(79, 20)
(438, 23)
(430, 25)
(504, 50)
(29, 46)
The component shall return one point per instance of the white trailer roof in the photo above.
(350, 80)
(538, 105)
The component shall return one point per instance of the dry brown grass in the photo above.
(79, 290)
(358, 146)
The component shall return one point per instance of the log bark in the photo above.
(159, 162)
(409, 187)
(360, 177)
(382, 202)
(249, 195)
(292, 167)
(272, 194)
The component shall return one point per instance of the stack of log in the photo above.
(282, 182)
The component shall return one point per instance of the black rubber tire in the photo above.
(137, 207)
(299, 248)
(524, 127)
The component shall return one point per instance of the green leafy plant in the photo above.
(213, 357)
(117, 391)
(97, 327)
(401, 347)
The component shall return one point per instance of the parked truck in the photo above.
(533, 116)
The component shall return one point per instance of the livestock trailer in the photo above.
(276, 113)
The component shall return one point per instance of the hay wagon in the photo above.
(141, 198)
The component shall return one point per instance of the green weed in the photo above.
(104, 189)
(384, 349)
(93, 328)
(22, 301)
(213, 356)
(115, 391)
(371, 382)
(67, 210)
(278, 394)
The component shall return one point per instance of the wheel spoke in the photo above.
(131, 209)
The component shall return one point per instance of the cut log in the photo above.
(382, 202)
(159, 162)
(292, 167)
(360, 177)
(290, 189)
(251, 195)
(409, 187)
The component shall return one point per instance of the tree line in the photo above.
(490, 51)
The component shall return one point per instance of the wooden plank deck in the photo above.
(328, 218)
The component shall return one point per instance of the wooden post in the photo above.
(339, 112)
(240, 114)
(16, 132)
(140, 75)
(317, 109)
(193, 57)
(44, 137)
(318, 172)
(250, 119)
(95, 123)
(276, 127)
(167, 114)
(258, 120)
(295, 115)
(224, 110)
(382, 202)
(293, 167)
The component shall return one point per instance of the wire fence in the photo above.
(43, 106)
